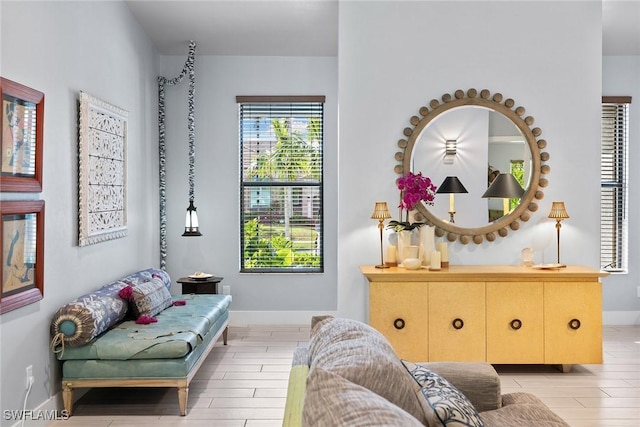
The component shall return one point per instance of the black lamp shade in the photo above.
(504, 186)
(451, 184)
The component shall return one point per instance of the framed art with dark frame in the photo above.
(22, 137)
(22, 266)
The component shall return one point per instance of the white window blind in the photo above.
(613, 190)
(281, 164)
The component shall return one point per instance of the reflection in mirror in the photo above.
(486, 141)
(475, 136)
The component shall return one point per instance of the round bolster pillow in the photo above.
(86, 317)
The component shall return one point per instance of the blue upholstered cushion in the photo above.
(177, 332)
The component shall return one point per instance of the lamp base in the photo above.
(382, 266)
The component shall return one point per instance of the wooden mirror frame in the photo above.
(533, 191)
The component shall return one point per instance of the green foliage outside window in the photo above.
(517, 170)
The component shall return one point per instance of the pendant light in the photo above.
(191, 227)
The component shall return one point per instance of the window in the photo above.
(516, 168)
(613, 189)
(281, 164)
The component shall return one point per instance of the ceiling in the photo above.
(241, 27)
(302, 27)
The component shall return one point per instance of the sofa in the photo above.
(350, 376)
(133, 333)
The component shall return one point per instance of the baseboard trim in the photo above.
(274, 317)
(620, 318)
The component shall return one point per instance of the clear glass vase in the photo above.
(404, 240)
(427, 243)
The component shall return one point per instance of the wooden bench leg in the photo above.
(183, 393)
(224, 335)
(67, 398)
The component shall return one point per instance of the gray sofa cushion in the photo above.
(479, 381)
(360, 354)
(522, 410)
(334, 401)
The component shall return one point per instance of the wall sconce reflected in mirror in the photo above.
(450, 148)
(505, 187)
(451, 185)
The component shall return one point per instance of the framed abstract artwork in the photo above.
(22, 267)
(102, 163)
(22, 137)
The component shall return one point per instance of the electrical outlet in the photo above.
(226, 290)
(638, 291)
(29, 375)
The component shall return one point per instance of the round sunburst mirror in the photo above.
(475, 135)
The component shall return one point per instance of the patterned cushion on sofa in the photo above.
(444, 405)
(86, 317)
(150, 298)
(362, 355)
(79, 321)
(331, 400)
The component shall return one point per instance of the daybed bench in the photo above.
(146, 339)
(350, 376)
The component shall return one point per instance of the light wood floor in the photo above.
(244, 384)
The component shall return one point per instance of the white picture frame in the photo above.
(102, 165)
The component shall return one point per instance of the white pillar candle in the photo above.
(435, 260)
(391, 253)
(443, 248)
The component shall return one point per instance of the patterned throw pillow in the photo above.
(150, 298)
(444, 405)
(79, 321)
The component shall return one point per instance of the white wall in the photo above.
(396, 56)
(61, 48)
(271, 297)
(620, 76)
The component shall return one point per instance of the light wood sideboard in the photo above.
(497, 314)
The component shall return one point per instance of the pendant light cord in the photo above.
(189, 69)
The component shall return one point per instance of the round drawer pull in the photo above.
(398, 324)
(516, 324)
(574, 324)
(457, 323)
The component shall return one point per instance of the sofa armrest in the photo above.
(478, 381)
(296, 388)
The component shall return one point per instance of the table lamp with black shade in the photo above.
(451, 185)
(505, 187)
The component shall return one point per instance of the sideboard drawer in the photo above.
(573, 322)
(399, 312)
(515, 322)
(457, 321)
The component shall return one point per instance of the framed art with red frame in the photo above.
(22, 137)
